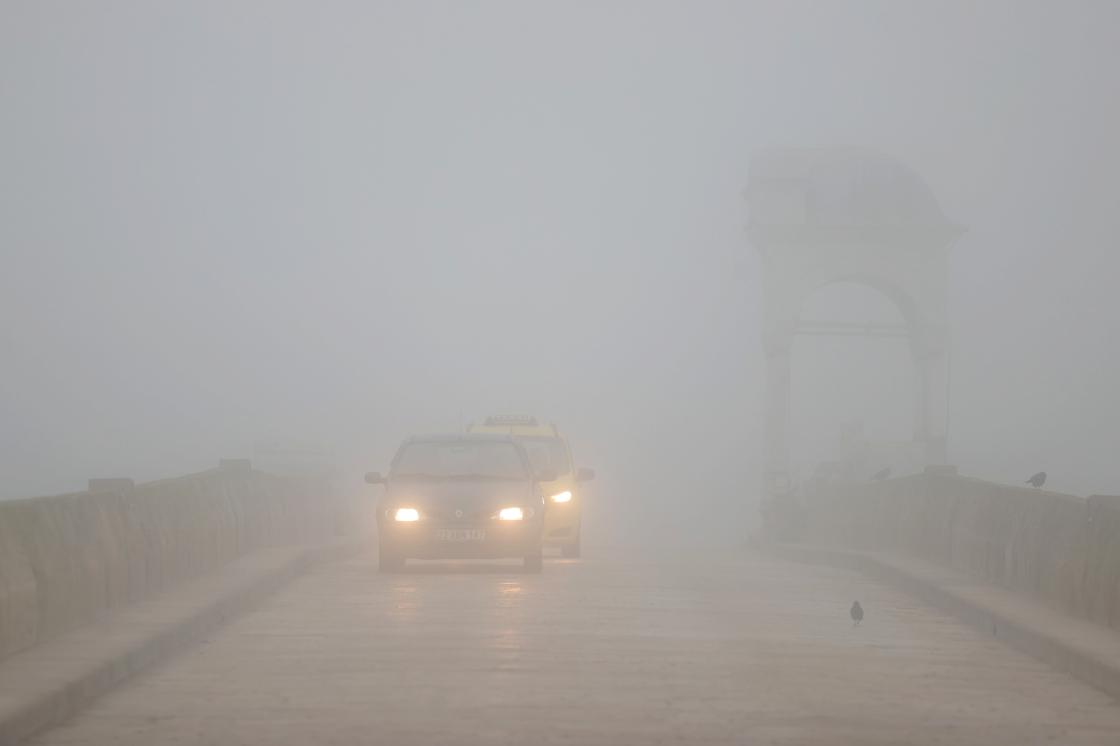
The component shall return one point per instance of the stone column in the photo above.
(931, 358)
(778, 347)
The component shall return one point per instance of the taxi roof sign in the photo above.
(511, 420)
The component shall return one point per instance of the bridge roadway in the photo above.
(621, 648)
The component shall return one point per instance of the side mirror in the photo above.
(546, 476)
(374, 477)
(584, 474)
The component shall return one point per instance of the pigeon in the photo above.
(856, 612)
(1037, 480)
(882, 474)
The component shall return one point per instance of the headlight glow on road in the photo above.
(563, 497)
(407, 514)
(510, 514)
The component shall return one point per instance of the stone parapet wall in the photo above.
(67, 558)
(1060, 548)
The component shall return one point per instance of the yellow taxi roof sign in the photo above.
(511, 420)
(514, 424)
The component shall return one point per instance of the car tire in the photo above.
(570, 551)
(389, 561)
(533, 563)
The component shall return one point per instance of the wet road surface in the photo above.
(628, 648)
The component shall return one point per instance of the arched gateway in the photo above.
(819, 216)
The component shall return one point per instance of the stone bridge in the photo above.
(235, 607)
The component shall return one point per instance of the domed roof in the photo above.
(839, 188)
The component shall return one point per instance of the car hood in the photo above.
(471, 497)
(560, 485)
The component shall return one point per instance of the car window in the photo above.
(462, 459)
(548, 454)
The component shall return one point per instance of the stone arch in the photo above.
(843, 326)
(899, 297)
(820, 216)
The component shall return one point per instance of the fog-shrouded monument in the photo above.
(825, 215)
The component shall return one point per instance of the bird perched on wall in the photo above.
(882, 474)
(856, 613)
(1037, 480)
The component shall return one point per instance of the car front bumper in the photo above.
(490, 540)
(561, 523)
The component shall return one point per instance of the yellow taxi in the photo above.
(560, 479)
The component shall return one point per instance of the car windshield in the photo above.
(459, 459)
(548, 454)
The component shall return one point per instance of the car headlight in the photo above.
(511, 514)
(406, 514)
(562, 497)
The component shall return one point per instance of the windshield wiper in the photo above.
(421, 475)
(474, 476)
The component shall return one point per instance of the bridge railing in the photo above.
(67, 558)
(1060, 548)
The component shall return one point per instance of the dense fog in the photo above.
(341, 223)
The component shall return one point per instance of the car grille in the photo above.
(448, 515)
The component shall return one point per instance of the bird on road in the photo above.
(856, 613)
(882, 474)
(1037, 480)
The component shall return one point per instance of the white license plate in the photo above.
(460, 534)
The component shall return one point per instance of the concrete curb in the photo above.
(47, 684)
(1087, 651)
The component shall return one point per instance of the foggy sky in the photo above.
(348, 222)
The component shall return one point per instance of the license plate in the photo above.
(460, 534)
